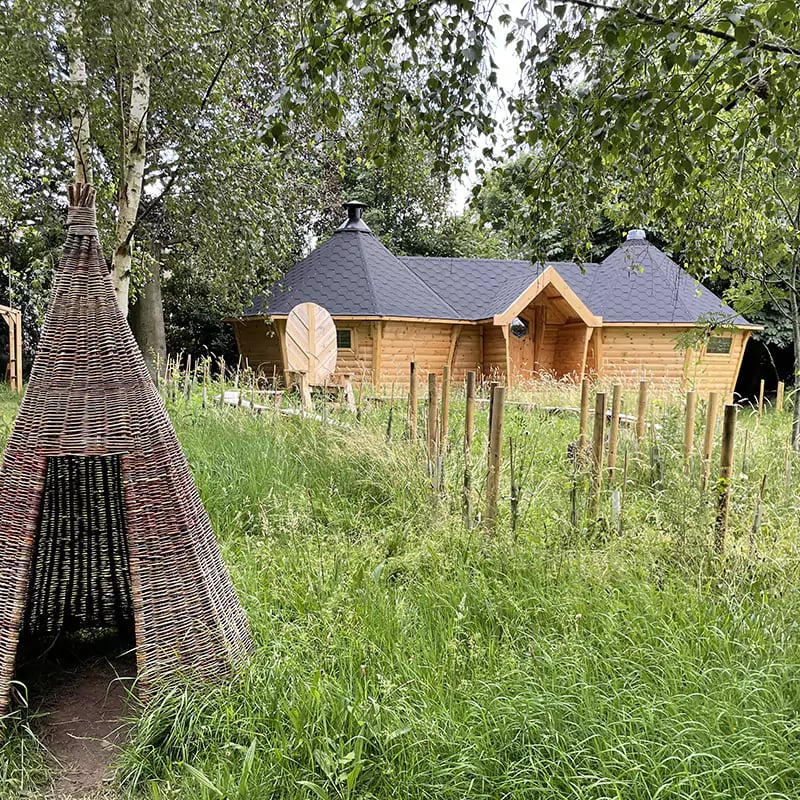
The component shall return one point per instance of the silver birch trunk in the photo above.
(130, 191)
(79, 111)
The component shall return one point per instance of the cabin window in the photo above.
(518, 327)
(719, 345)
(344, 338)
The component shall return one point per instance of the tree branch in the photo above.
(652, 19)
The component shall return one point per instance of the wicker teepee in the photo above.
(101, 525)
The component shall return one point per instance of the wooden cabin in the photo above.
(509, 320)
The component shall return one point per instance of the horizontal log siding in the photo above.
(716, 372)
(634, 353)
(467, 355)
(494, 352)
(426, 343)
(357, 360)
(569, 349)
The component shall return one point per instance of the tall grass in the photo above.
(402, 655)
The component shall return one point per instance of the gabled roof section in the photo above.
(353, 274)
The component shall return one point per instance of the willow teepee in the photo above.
(101, 525)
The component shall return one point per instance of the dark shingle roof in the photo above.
(353, 274)
(640, 283)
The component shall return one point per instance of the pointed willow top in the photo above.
(81, 217)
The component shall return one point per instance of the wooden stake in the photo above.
(725, 477)
(469, 430)
(469, 417)
(598, 444)
(779, 398)
(389, 425)
(495, 452)
(583, 434)
(613, 433)
(688, 430)
(761, 398)
(708, 442)
(413, 424)
(433, 420)
(641, 411)
(444, 429)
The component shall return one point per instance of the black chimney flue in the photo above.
(355, 209)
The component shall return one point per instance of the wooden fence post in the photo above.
(469, 430)
(779, 398)
(413, 425)
(444, 428)
(641, 411)
(761, 397)
(598, 444)
(725, 476)
(583, 431)
(708, 442)
(613, 433)
(433, 420)
(688, 430)
(495, 451)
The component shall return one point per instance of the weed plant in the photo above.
(404, 654)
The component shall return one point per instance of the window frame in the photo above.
(352, 346)
(724, 338)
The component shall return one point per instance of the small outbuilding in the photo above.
(626, 318)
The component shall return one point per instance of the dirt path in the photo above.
(83, 697)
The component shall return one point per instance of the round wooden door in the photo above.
(311, 342)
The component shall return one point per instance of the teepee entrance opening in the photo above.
(80, 571)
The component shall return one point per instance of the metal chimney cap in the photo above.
(354, 222)
(636, 233)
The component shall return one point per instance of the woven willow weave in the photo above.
(101, 524)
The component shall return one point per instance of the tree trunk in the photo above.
(130, 192)
(147, 319)
(79, 111)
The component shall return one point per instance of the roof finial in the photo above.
(636, 233)
(355, 208)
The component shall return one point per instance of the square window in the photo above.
(344, 339)
(720, 345)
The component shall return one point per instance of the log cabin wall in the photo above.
(709, 371)
(425, 343)
(468, 353)
(494, 352)
(570, 343)
(640, 351)
(637, 352)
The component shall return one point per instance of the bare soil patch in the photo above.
(81, 690)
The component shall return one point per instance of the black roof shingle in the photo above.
(353, 274)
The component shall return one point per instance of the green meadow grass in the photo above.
(401, 655)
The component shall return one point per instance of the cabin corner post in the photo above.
(280, 329)
(599, 356)
(509, 377)
(586, 338)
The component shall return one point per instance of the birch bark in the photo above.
(130, 190)
(79, 111)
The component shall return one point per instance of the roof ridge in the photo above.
(367, 273)
(424, 282)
